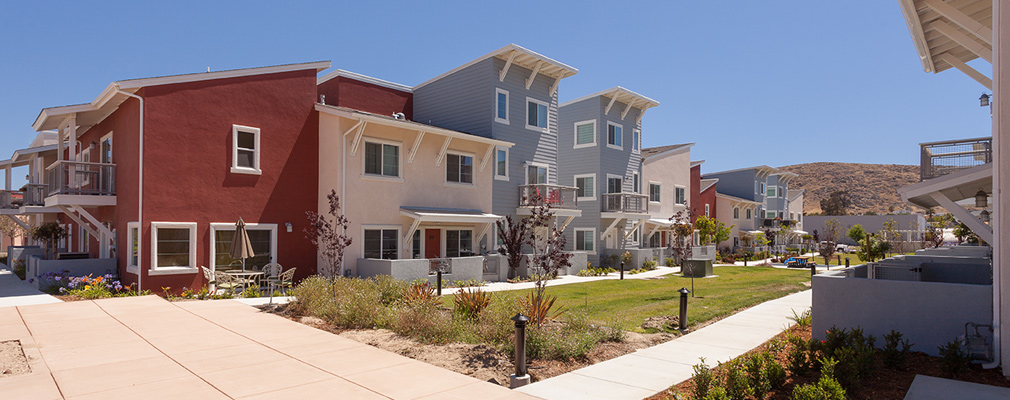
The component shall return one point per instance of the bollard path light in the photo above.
(520, 378)
(683, 308)
(622, 270)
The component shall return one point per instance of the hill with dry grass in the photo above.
(871, 187)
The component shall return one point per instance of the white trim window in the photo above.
(736, 212)
(615, 135)
(381, 242)
(245, 150)
(655, 192)
(585, 134)
(636, 183)
(133, 247)
(501, 162)
(680, 195)
(769, 214)
(83, 239)
(382, 159)
(762, 188)
(655, 240)
(459, 168)
(501, 101)
(615, 184)
(458, 242)
(263, 238)
(536, 114)
(173, 248)
(772, 191)
(586, 187)
(749, 215)
(782, 191)
(707, 208)
(636, 140)
(537, 173)
(585, 239)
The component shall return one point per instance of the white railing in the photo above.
(81, 178)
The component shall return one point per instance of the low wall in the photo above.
(929, 314)
(15, 253)
(36, 267)
(462, 268)
(967, 270)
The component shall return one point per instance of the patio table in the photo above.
(253, 277)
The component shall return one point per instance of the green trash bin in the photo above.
(697, 268)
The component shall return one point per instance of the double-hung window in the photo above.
(680, 195)
(501, 171)
(736, 212)
(614, 185)
(459, 168)
(585, 134)
(132, 247)
(655, 190)
(636, 185)
(173, 247)
(636, 140)
(536, 175)
(586, 187)
(381, 243)
(501, 98)
(707, 208)
(585, 239)
(614, 135)
(382, 159)
(771, 191)
(536, 114)
(748, 214)
(458, 243)
(245, 150)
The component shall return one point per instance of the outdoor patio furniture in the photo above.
(208, 275)
(225, 281)
(284, 281)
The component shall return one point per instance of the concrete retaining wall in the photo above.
(36, 267)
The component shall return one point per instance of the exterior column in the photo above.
(7, 178)
(1001, 179)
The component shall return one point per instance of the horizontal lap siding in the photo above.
(586, 160)
(462, 101)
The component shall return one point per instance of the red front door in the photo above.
(432, 243)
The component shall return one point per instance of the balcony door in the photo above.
(105, 174)
(536, 175)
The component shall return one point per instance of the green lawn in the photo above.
(629, 302)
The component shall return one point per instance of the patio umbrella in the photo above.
(241, 247)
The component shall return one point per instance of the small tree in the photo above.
(857, 233)
(48, 233)
(837, 203)
(806, 240)
(872, 248)
(683, 233)
(890, 234)
(513, 236)
(330, 237)
(827, 246)
(10, 228)
(712, 230)
(547, 243)
(934, 228)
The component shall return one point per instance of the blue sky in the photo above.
(751, 83)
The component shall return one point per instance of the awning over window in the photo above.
(425, 214)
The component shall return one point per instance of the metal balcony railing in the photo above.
(555, 195)
(625, 202)
(35, 194)
(10, 199)
(941, 158)
(81, 178)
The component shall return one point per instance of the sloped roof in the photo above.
(651, 151)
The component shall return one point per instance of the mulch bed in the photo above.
(883, 384)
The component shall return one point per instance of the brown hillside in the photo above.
(871, 187)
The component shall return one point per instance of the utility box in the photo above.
(696, 268)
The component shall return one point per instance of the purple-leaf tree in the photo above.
(330, 237)
(513, 236)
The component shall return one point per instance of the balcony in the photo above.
(558, 197)
(35, 194)
(10, 199)
(79, 183)
(942, 158)
(777, 222)
(625, 203)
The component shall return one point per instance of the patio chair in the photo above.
(283, 281)
(271, 270)
(209, 276)
(230, 282)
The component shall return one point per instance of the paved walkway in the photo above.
(15, 292)
(652, 370)
(146, 347)
(570, 279)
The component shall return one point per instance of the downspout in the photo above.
(343, 181)
(140, 194)
(997, 247)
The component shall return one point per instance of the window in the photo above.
(655, 190)
(781, 214)
(501, 171)
(382, 159)
(748, 214)
(381, 243)
(586, 185)
(173, 248)
(536, 115)
(655, 240)
(680, 195)
(263, 238)
(459, 168)
(245, 150)
(585, 134)
(636, 185)
(756, 188)
(458, 243)
(132, 247)
(782, 191)
(585, 239)
(707, 208)
(770, 214)
(736, 212)
(536, 175)
(636, 140)
(762, 187)
(614, 133)
(771, 191)
(83, 238)
(614, 184)
(415, 244)
(501, 106)
(792, 216)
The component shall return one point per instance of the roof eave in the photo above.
(411, 125)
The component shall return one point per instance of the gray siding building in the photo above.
(762, 184)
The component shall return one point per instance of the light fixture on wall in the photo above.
(287, 225)
(983, 100)
(981, 199)
(984, 216)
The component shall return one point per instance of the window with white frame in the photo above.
(585, 239)
(614, 184)
(133, 246)
(415, 245)
(501, 106)
(262, 237)
(381, 243)
(749, 215)
(655, 191)
(771, 191)
(536, 114)
(382, 159)
(459, 168)
(536, 174)
(762, 187)
(585, 134)
(707, 208)
(614, 135)
(636, 185)
(245, 150)
(770, 214)
(736, 212)
(636, 140)
(655, 240)
(173, 247)
(680, 195)
(83, 239)
(586, 187)
(792, 216)
(501, 160)
(458, 243)
(782, 191)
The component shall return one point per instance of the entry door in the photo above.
(432, 243)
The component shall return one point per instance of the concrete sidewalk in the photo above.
(652, 370)
(569, 279)
(15, 292)
(150, 348)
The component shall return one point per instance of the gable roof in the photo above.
(654, 151)
(520, 56)
(707, 184)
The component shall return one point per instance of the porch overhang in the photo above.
(79, 200)
(623, 215)
(450, 215)
(949, 35)
(956, 186)
(558, 212)
(38, 210)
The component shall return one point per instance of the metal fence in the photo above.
(76, 177)
(625, 202)
(555, 195)
(942, 158)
